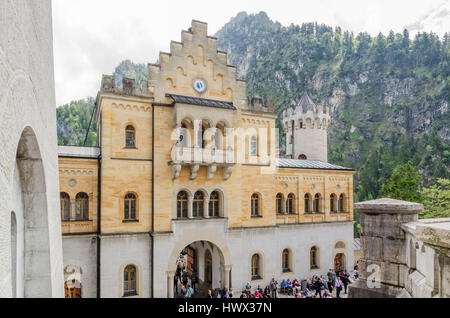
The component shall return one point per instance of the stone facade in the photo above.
(30, 228)
(159, 165)
(401, 256)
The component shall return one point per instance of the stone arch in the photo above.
(340, 254)
(37, 269)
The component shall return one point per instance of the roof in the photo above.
(307, 103)
(356, 244)
(201, 101)
(308, 164)
(79, 152)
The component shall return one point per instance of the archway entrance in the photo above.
(30, 261)
(201, 266)
(72, 289)
(339, 262)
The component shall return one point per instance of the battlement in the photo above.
(307, 115)
(128, 87)
(258, 104)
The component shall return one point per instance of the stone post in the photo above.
(382, 267)
(170, 277)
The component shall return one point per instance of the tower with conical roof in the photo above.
(306, 128)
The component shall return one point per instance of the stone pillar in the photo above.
(190, 207)
(72, 215)
(382, 266)
(226, 275)
(206, 208)
(170, 277)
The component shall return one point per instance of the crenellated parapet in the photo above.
(128, 87)
(306, 128)
(306, 115)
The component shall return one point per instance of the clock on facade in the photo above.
(199, 85)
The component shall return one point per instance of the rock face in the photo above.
(383, 266)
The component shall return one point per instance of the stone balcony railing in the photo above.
(194, 157)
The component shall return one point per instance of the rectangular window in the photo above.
(133, 209)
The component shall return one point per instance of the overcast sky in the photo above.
(91, 37)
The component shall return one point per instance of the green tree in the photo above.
(404, 184)
(436, 200)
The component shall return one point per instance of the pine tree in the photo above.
(404, 184)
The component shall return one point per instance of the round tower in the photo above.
(306, 128)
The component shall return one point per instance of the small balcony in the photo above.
(195, 157)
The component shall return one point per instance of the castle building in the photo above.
(186, 165)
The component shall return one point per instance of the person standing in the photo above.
(190, 291)
(318, 287)
(175, 283)
(274, 287)
(338, 286)
(330, 282)
(185, 278)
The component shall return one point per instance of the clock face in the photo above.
(199, 85)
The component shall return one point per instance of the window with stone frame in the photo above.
(256, 271)
(82, 207)
(286, 261)
(279, 203)
(214, 201)
(182, 204)
(130, 207)
(65, 206)
(255, 205)
(290, 206)
(313, 258)
(129, 281)
(198, 204)
(130, 137)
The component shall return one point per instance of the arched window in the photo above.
(333, 202)
(285, 261)
(130, 137)
(130, 207)
(65, 206)
(129, 281)
(307, 204)
(256, 271)
(313, 257)
(198, 204)
(341, 202)
(316, 205)
(256, 206)
(253, 146)
(182, 204)
(82, 206)
(183, 135)
(214, 204)
(302, 157)
(279, 202)
(290, 207)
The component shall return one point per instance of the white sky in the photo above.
(91, 37)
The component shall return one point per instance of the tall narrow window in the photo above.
(317, 203)
(307, 198)
(333, 203)
(130, 207)
(341, 202)
(255, 205)
(183, 135)
(130, 137)
(65, 206)
(82, 206)
(313, 258)
(129, 281)
(214, 204)
(285, 261)
(253, 146)
(255, 267)
(198, 204)
(182, 205)
(279, 202)
(290, 207)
